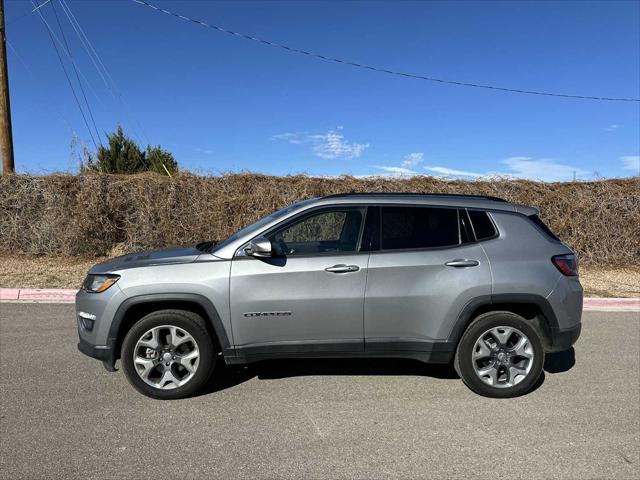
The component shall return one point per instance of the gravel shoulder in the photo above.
(27, 271)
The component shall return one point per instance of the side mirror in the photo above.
(259, 247)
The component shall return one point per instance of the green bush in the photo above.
(123, 155)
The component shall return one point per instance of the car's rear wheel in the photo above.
(168, 354)
(500, 355)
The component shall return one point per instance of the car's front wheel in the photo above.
(500, 355)
(168, 354)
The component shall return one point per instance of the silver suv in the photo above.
(472, 280)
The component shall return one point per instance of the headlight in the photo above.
(99, 283)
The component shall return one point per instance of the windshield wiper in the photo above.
(207, 246)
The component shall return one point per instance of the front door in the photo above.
(309, 296)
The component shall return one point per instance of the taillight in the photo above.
(567, 264)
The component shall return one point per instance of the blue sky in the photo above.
(222, 103)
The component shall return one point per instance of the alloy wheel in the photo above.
(166, 357)
(502, 357)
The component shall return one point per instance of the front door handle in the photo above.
(342, 268)
(462, 262)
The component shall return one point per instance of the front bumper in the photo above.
(562, 339)
(94, 334)
(106, 353)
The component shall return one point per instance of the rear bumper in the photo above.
(562, 339)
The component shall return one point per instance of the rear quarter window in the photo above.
(483, 226)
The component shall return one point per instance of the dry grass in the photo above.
(101, 214)
(611, 282)
(28, 271)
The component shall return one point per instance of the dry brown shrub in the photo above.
(98, 214)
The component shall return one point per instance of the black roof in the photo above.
(417, 194)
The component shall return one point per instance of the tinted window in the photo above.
(536, 219)
(466, 235)
(321, 232)
(371, 234)
(482, 224)
(260, 223)
(418, 227)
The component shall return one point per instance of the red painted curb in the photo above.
(594, 303)
(9, 294)
(47, 294)
(53, 295)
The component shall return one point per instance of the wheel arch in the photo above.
(135, 308)
(534, 308)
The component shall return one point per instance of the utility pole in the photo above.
(6, 136)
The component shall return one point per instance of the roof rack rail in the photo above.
(430, 194)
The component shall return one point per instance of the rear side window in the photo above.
(482, 225)
(536, 219)
(419, 227)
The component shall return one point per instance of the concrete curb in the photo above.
(59, 295)
(41, 295)
(612, 304)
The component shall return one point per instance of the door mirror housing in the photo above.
(259, 247)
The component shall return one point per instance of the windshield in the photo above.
(260, 223)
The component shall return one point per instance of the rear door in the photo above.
(422, 271)
(309, 297)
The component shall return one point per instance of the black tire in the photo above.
(191, 323)
(463, 362)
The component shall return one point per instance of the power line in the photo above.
(27, 13)
(373, 68)
(57, 110)
(99, 65)
(75, 69)
(82, 40)
(55, 37)
(64, 69)
(40, 6)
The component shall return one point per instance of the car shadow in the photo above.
(228, 376)
(559, 362)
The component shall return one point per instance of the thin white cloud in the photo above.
(452, 172)
(542, 169)
(294, 138)
(206, 151)
(413, 159)
(519, 167)
(330, 145)
(611, 128)
(405, 169)
(631, 162)
(396, 171)
(333, 145)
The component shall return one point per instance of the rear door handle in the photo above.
(462, 262)
(342, 268)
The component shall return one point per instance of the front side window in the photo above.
(259, 224)
(419, 227)
(322, 232)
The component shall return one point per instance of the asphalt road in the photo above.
(64, 416)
